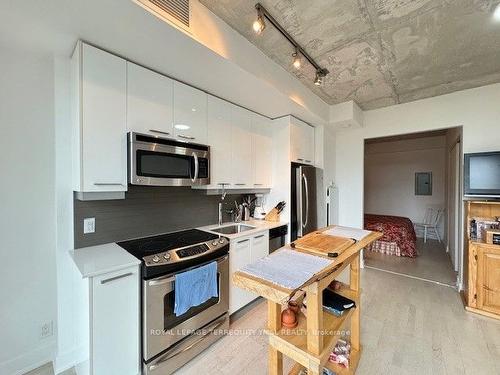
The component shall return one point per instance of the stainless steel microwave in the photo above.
(159, 161)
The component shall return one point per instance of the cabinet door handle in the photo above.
(300, 159)
(262, 235)
(258, 184)
(158, 131)
(240, 184)
(308, 161)
(108, 184)
(105, 281)
(242, 241)
(186, 136)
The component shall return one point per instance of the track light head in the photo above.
(319, 78)
(296, 60)
(259, 24)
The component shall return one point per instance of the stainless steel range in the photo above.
(169, 341)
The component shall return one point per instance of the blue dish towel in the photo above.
(194, 287)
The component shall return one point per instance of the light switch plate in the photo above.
(89, 225)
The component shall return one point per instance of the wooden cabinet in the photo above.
(149, 102)
(99, 110)
(488, 278)
(190, 114)
(219, 139)
(262, 151)
(245, 250)
(301, 142)
(114, 323)
(483, 281)
(241, 150)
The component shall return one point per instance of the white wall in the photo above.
(390, 169)
(72, 290)
(477, 110)
(28, 219)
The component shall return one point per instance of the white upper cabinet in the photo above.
(262, 150)
(241, 150)
(100, 120)
(219, 139)
(190, 113)
(150, 98)
(302, 142)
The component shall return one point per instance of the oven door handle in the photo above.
(175, 351)
(169, 279)
(162, 281)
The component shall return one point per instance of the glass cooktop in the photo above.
(142, 247)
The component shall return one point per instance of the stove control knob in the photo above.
(166, 256)
(214, 243)
(156, 259)
(221, 240)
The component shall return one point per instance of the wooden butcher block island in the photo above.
(303, 344)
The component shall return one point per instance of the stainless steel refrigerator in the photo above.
(306, 187)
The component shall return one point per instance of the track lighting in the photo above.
(319, 78)
(259, 25)
(496, 13)
(296, 59)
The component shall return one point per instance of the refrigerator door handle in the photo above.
(306, 188)
(298, 178)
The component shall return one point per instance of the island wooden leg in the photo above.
(355, 317)
(274, 324)
(314, 319)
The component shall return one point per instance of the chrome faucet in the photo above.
(221, 203)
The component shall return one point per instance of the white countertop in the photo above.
(260, 226)
(97, 260)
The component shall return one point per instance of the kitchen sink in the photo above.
(232, 229)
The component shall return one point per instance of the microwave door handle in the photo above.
(196, 167)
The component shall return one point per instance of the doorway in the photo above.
(412, 193)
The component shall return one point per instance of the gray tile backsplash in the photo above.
(146, 211)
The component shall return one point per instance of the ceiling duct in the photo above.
(175, 11)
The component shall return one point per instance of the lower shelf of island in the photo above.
(354, 358)
(292, 342)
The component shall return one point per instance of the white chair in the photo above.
(431, 221)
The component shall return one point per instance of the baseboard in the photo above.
(482, 312)
(29, 361)
(70, 358)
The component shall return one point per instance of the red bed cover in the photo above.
(395, 229)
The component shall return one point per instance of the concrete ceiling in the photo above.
(379, 52)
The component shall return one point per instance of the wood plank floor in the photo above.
(433, 263)
(409, 326)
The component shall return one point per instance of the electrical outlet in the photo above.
(47, 329)
(89, 225)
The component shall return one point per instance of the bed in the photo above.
(399, 237)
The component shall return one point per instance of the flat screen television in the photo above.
(482, 174)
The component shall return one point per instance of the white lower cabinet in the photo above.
(243, 251)
(114, 323)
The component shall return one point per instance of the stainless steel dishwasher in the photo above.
(277, 237)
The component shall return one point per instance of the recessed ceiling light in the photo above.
(181, 126)
(496, 13)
